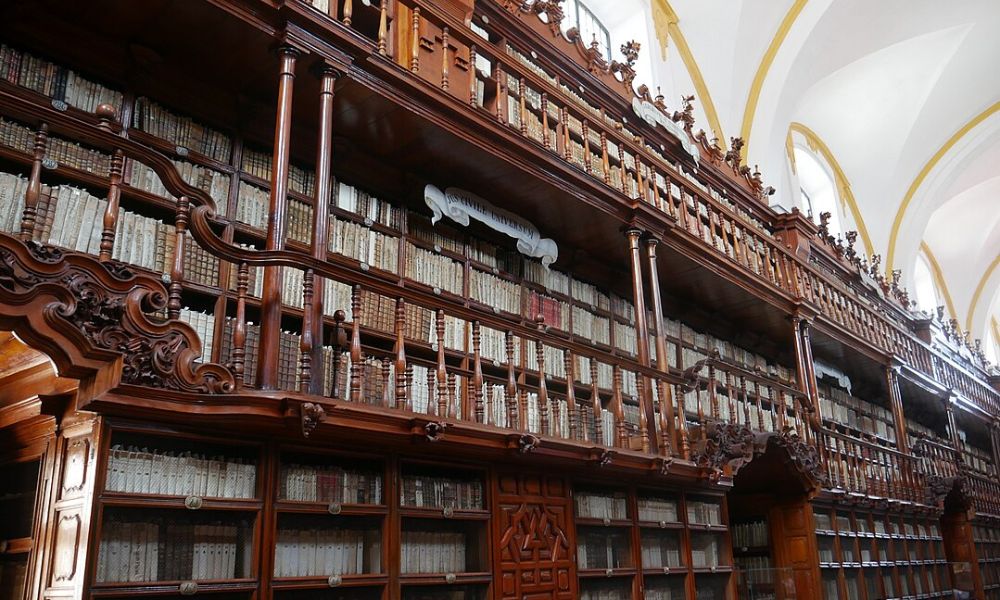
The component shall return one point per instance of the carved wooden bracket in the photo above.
(662, 465)
(312, 415)
(525, 442)
(802, 456)
(433, 431)
(72, 305)
(938, 488)
(723, 446)
(601, 456)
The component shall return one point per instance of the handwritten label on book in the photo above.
(459, 205)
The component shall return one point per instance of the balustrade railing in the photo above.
(983, 491)
(938, 459)
(863, 467)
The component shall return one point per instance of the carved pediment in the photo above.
(79, 303)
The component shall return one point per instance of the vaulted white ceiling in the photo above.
(904, 94)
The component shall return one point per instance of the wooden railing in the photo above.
(984, 493)
(938, 459)
(862, 467)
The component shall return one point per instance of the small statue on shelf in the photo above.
(733, 156)
(685, 115)
(630, 50)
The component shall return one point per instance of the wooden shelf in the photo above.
(177, 502)
(346, 510)
(472, 577)
(599, 573)
(16, 546)
(413, 512)
(321, 582)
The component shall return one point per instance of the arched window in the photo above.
(929, 296)
(590, 27)
(817, 189)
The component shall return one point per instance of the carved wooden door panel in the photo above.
(533, 551)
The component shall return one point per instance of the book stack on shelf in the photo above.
(133, 470)
(71, 154)
(185, 133)
(204, 326)
(603, 549)
(321, 551)
(212, 182)
(749, 535)
(55, 81)
(137, 547)
(840, 406)
(329, 483)
(12, 188)
(433, 552)
(429, 491)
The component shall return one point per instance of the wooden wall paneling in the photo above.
(794, 544)
(533, 556)
(956, 528)
(68, 545)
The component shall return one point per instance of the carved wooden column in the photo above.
(642, 335)
(952, 426)
(664, 392)
(896, 402)
(810, 371)
(321, 216)
(270, 308)
(34, 189)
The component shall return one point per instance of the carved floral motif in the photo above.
(723, 444)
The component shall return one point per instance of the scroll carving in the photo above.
(804, 457)
(97, 307)
(312, 415)
(723, 446)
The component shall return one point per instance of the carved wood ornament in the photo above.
(71, 304)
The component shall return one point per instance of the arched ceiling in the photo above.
(903, 94)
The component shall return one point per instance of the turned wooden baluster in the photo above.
(357, 360)
(473, 78)
(306, 339)
(501, 97)
(385, 367)
(452, 400)
(734, 415)
(522, 114)
(682, 428)
(782, 408)
(841, 464)
(713, 398)
(383, 27)
(402, 399)
(772, 409)
(545, 122)
(645, 430)
(760, 408)
(595, 403)
(570, 367)
(477, 375)
(657, 201)
(34, 189)
(543, 393)
(445, 62)
(348, 12)
(567, 137)
(640, 181)
(177, 269)
(431, 391)
(605, 160)
(442, 372)
(510, 391)
(415, 48)
(746, 402)
(110, 220)
(586, 147)
(697, 400)
(617, 405)
(622, 171)
(240, 327)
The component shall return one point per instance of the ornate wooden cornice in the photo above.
(74, 308)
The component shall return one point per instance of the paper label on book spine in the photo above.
(459, 205)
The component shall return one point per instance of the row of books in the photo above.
(426, 491)
(705, 548)
(258, 164)
(366, 206)
(252, 207)
(589, 326)
(17, 136)
(55, 81)
(603, 548)
(141, 241)
(364, 244)
(12, 189)
(601, 506)
(657, 510)
(840, 406)
(756, 570)
(433, 552)
(181, 131)
(135, 470)
(661, 549)
(169, 550)
(495, 292)
(705, 512)
(557, 419)
(212, 182)
(325, 552)
(71, 154)
(204, 327)
(670, 589)
(556, 313)
(330, 483)
(746, 535)
(433, 269)
(73, 218)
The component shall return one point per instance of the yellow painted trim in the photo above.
(753, 96)
(905, 204)
(701, 90)
(939, 278)
(979, 291)
(843, 185)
